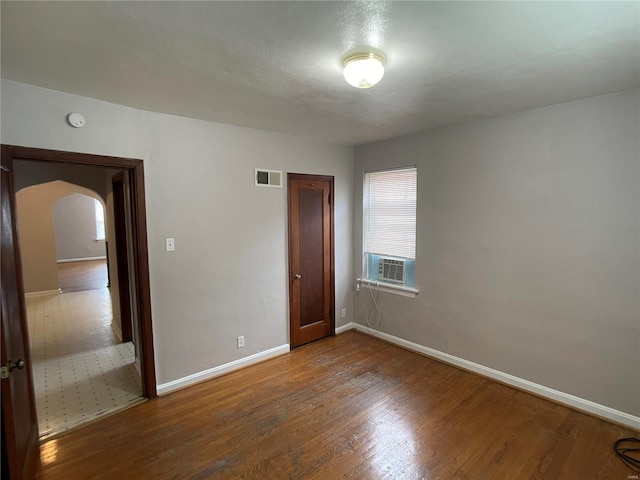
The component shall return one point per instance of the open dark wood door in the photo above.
(20, 425)
(311, 258)
(122, 255)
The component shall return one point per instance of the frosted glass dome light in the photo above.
(363, 70)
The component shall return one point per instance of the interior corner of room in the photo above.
(517, 266)
(525, 261)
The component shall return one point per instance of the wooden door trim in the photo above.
(291, 231)
(139, 233)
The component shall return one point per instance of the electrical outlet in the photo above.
(344, 312)
(241, 341)
(171, 244)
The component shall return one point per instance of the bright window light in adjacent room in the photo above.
(100, 231)
(363, 70)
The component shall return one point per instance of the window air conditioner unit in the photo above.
(391, 270)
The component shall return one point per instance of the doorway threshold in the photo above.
(52, 434)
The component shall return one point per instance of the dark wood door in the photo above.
(122, 255)
(20, 425)
(311, 258)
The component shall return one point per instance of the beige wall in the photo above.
(34, 209)
(97, 179)
(528, 253)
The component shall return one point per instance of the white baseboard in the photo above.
(42, 293)
(117, 331)
(344, 328)
(567, 399)
(84, 259)
(165, 388)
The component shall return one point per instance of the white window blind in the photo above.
(390, 212)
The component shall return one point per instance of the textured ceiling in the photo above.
(277, 65)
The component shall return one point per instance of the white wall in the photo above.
(528, 255)
(227, 276)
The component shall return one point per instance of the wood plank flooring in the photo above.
(81, 276)
(349, 406)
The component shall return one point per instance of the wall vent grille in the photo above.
(268, 178)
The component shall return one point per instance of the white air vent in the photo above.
(391, 270)
(268, 178)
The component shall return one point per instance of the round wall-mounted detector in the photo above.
(76, 120)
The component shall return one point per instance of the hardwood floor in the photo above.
(80, 276)
(349, 406)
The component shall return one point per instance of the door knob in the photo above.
(19, 365)
(298, 276)
(5, 370)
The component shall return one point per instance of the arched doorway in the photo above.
(82, 368)
(81, 248)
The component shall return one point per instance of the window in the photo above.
(100, 233)
(389, 226)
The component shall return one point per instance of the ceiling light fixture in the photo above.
(363, 70)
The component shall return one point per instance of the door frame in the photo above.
(135, 169)
(320, 178)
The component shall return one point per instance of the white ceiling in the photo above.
(277, 65)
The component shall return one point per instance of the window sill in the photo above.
(401, 290)
(101, 240)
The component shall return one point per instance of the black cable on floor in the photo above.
(628, 451)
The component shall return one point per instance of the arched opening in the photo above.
(80, 236)
(82, 368)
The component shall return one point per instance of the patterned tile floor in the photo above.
(80, 371)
